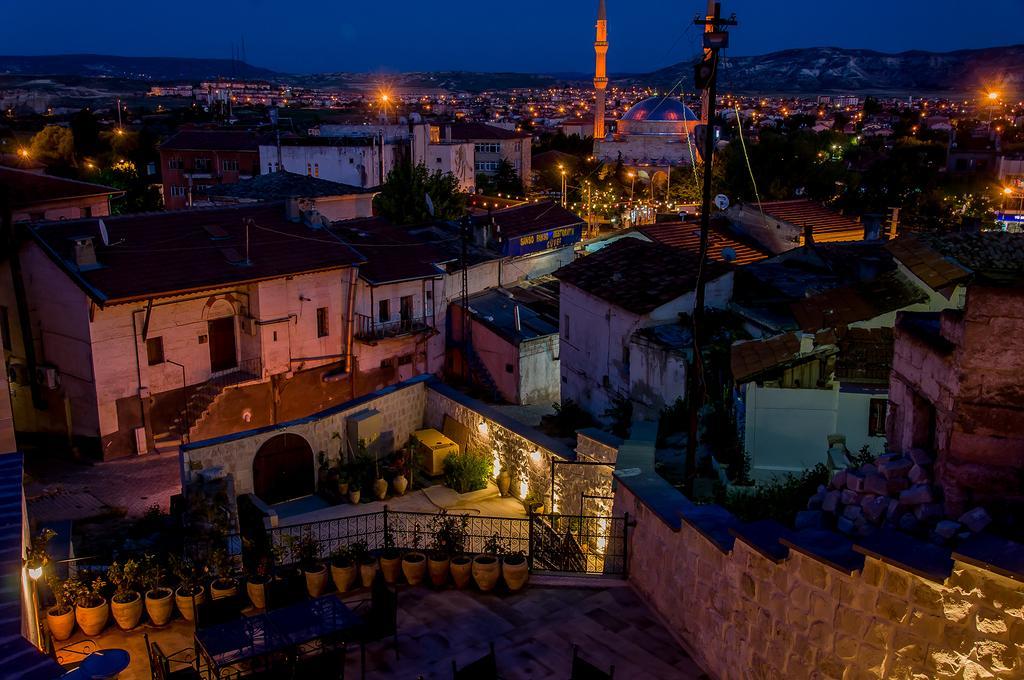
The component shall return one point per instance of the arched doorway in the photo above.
(283, 469)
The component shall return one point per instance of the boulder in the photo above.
(896, 467)
(975, 520)
(854, 481)
(896, 484)
(830, 502)
(918, 475)
(876, 484)
(928, 511)
(868, 469)
(847, 497)
(844, 525)
(893, 509)
(815, 501)
(875, 509)
(947, 528)
(917, 495)
(839, 480)
(852, 512)
(908, 522)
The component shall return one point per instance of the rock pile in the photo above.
(894, 491)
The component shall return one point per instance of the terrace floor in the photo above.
(533, 632)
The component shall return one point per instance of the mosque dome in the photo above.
(663, 116)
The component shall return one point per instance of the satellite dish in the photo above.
(729, 254)
(721, 201)
(430, 204)
(103, 233)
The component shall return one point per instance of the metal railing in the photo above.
(368, 328)
(572, 544)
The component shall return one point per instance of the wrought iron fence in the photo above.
(572, 544)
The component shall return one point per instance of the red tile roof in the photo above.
(215, 140)
(827, 225)
(30, 188)
(636, 275)
(686, 235)
(159, 254)
(865, 355)
(942, 260)
(392, 253)
(751, 357)
(531, 218)
(481, 131)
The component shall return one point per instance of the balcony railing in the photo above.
(368, 328)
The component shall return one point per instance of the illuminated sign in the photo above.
(551, 239)
(1010, 217)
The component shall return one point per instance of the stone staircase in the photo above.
(200, 404)
(481, 376)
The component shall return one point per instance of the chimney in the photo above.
(808, 236)
(85, 253)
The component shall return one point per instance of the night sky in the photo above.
(398, 35)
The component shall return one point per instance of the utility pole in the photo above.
(705, 78)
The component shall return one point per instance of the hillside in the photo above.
(133, 68)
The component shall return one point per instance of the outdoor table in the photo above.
(104, 663)
(278, 630)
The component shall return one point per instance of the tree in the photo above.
(506, 180)
(86, 131)
(54, 145)
(403, 197)
(139, 195)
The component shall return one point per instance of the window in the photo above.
(405, 360)
(405, 307)
(565, 327)
(175, 163)
(387, 363)
(5, 328)
(229, 165)
(177, 190)
(508, 368)
(316, 169)
(270, 167)
(309, 169)
(384, 310)
(486, 166)
(86, 211)
(202, 164)
(438, 159)
(155, 351)
(876, 417)
(487, 147)
(321, 322)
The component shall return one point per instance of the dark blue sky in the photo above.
(484, 35)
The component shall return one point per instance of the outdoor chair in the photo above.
(72, 655)
(484, 668)
(584, 670)
(221, 610)
(179, 665)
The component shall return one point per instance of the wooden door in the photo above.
(283, 469)
(222, 344)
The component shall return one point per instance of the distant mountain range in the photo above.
(805, 70)
(832, 69)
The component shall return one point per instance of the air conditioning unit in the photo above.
(366, 426)
(248, 325)
(48, 377)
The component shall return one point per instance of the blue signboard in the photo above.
(551, 239)
(1010, 217)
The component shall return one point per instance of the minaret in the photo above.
(600, 77)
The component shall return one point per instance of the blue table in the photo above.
(252, 637)
(104, 663)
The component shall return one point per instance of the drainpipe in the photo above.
(143, 400)
(353, 272)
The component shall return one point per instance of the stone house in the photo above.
(605, 298)
(491, 145)
(193, 160)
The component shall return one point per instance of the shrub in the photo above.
(779, 500)
(124, 576)
(449, 533)
(466, 471)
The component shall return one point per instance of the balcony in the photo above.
(369, 329)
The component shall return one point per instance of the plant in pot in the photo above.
(60, 618)
(224, 584)
(400, 482)
(158, 597)
(390, 558)
(190, 592)
(343, 568)
(91, 609)
(486, 567)
(306, 553)
(534, 502)
(380, 485)
(364, 561)
(515, 570)
(125, 603)
(342, 470)
(449, 540)
(414, 563)
(261, 575)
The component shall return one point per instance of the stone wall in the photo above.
(757, 601)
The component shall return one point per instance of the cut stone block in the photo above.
(920, 456)
(975, 520)
(918, 475)
(875, 508)
(947, 528)
(897, 467)
(854, 481)
(916, 495)
(830, 502)
(876, 484)
(928, 511)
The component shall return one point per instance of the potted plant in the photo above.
(224, 583)
(503, 480)
(60, 618)
(390, 558)
(306, 552)
(515, 570)
(449, 539)
(534, 503)
(342, 481)
(380, 485)
(343, 568)
(414, 563)
(461, 568)
(158, 597)
(125, 603)
(400, 482)
(262, 574)
(486, 568)
(91, 608)
(366, 562)
(190, 592)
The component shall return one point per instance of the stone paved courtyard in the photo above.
(533, 633)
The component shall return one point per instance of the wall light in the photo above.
(496, 462)
(35, 571)
(524, 487)
(482, 427)
(535, 456)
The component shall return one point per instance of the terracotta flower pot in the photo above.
(380, 489)
(92, 620)
(61, 625)
(343, 488)
(515, 571)
(160, 606)
(486, 570)
(461, 568)
(127, 613)
(367, 570)
(343, 576)
(504, 480)
(184, 600)
(391, 566)
(400, 484)
(223, 587)
(353, 495)
(256, 589)
(316, 580)
(414, 566)
(438, 565)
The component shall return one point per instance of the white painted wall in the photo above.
(540, 371)
(657, 377)
(355, 165)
